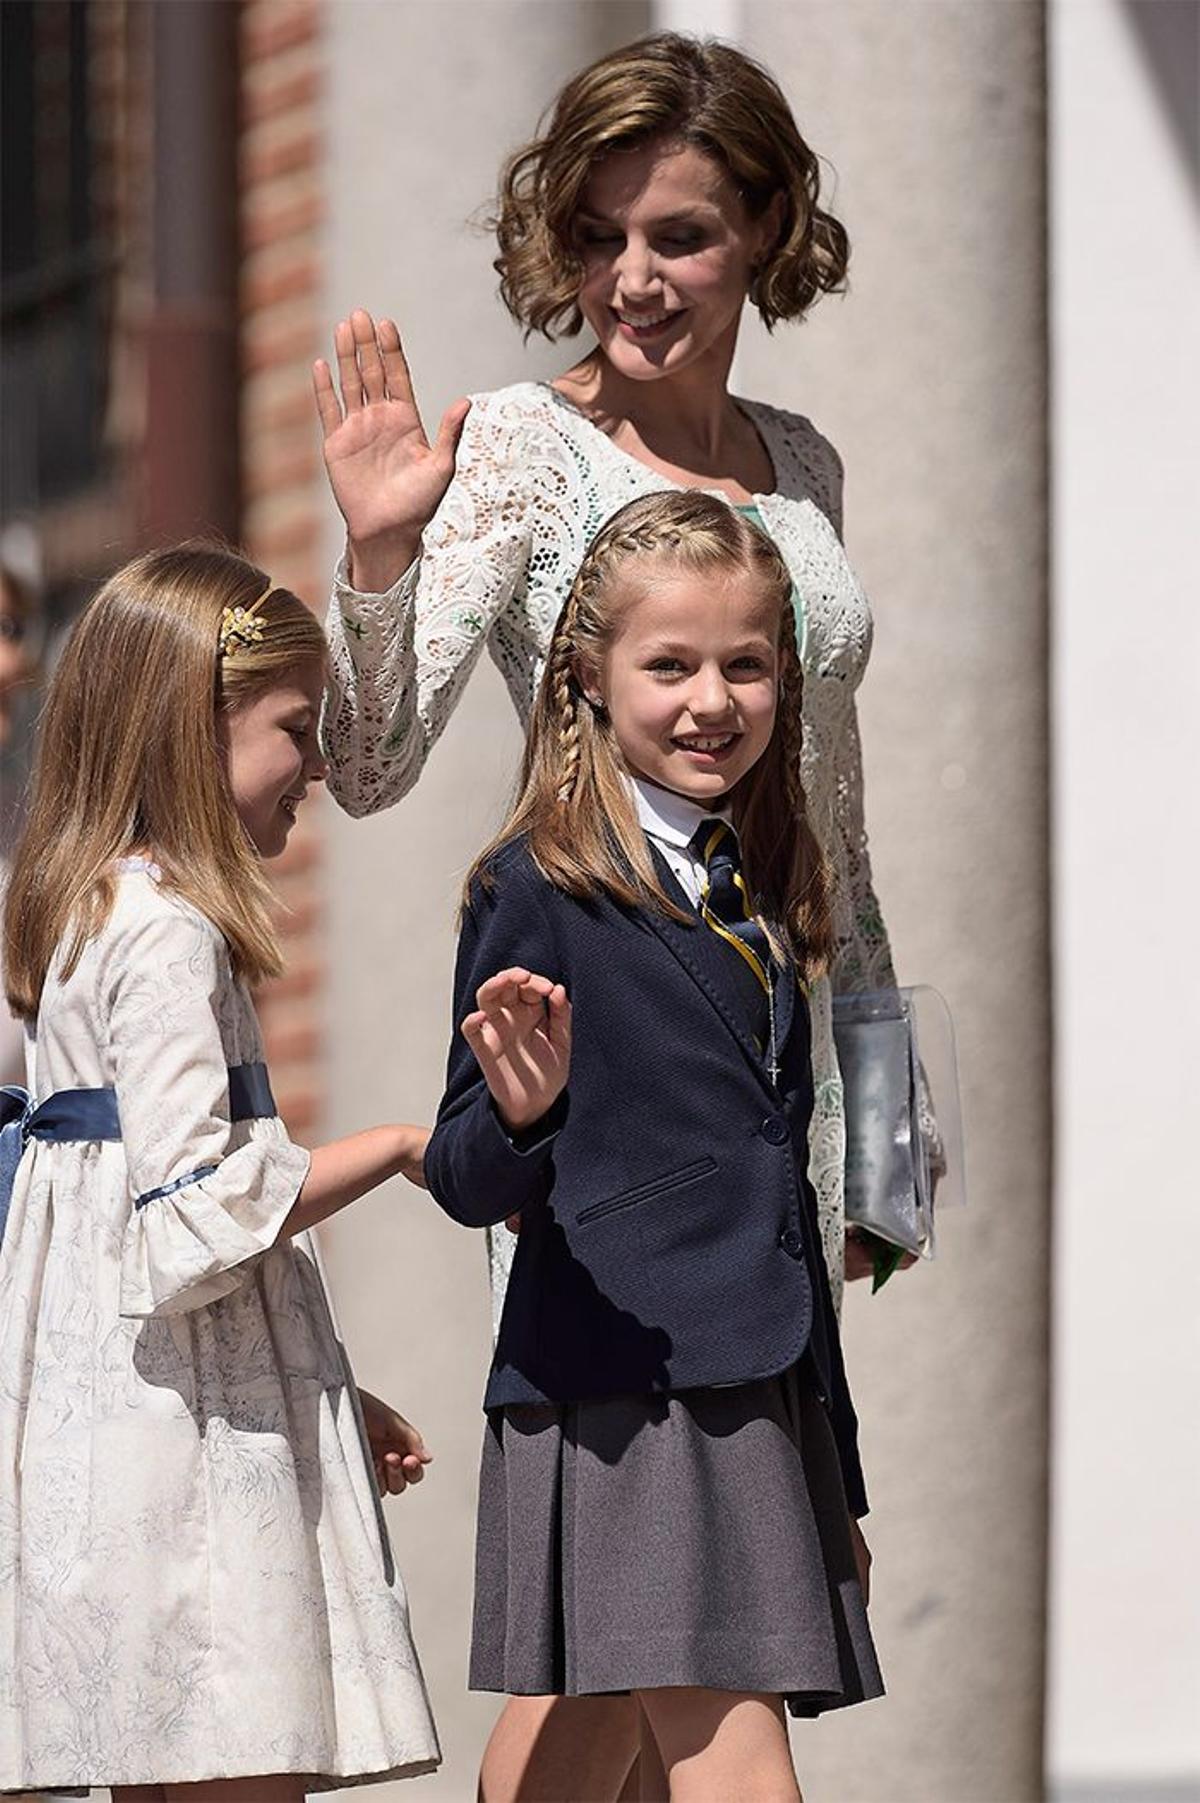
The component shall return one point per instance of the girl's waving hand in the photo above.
(520, 1034)
(387, 479)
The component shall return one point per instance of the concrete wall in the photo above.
(423, 102)
(1126, 1560)
(930, 375)
(931, 378)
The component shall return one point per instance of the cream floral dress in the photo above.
(535, 481)
(195, 1579)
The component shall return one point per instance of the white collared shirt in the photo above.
(671, 821)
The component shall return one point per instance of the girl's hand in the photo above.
(386, 477)
(397, 1449)
(862, 1558)
(521, 1036)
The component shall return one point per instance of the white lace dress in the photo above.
(535, 481)
(195, 1579)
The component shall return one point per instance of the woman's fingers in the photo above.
(349, 377)
(395, 363)
(328, 409)
(372, 368)
(370, 363)
(451, 429)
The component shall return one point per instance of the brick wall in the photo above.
(87, 533)
(284, 498)
(92, 530)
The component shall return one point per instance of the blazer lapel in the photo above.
(686, 946)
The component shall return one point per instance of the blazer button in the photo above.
(791, 1242)
(775, 1130)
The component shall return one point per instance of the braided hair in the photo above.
(574, 804)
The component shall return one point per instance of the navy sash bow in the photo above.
(91, 1114)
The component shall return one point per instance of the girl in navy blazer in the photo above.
(670, 1482)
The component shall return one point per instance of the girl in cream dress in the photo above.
(196, 1585)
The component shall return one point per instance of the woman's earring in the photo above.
(596, 703)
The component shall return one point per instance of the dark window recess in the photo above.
(56, 267)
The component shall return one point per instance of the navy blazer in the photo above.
(668, 1229)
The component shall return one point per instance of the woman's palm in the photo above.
(385, 475)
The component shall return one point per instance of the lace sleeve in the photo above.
(400, 660)
(827, 475)
(863, 956)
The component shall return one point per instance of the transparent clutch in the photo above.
(904, 1137)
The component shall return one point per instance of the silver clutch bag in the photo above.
(904, 1140)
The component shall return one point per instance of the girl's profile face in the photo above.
(668, 252)
(272, 754)
(691, 678)
(14, 659)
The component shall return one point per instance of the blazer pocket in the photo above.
(642, 1192)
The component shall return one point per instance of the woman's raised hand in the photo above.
(521, 1036)
(386, 477)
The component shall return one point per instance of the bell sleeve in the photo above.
(206, 1195)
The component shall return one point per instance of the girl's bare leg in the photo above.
(559, 1750)
(722, 1743)
(647, 1781)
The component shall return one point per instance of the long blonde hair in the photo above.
(129, 760)
(574, 805)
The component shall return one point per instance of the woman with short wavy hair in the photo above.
(668, 185)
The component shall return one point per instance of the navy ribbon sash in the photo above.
(91, 1114)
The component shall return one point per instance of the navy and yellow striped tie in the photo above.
(724, 903)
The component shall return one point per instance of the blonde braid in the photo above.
(561, 678)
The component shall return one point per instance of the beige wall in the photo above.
(423, 102)
(931, 378)
(1126, 1556)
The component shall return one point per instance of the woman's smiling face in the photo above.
(668, 252)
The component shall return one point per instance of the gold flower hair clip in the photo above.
(241, 627)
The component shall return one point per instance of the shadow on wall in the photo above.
(1168, 37)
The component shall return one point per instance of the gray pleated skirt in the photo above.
(700, 1538)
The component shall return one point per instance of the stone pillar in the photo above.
(423, 104)
(931, 378)
(189, 475)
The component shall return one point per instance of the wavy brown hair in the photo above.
(573, 804)
(696, 91)
(129, 760)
